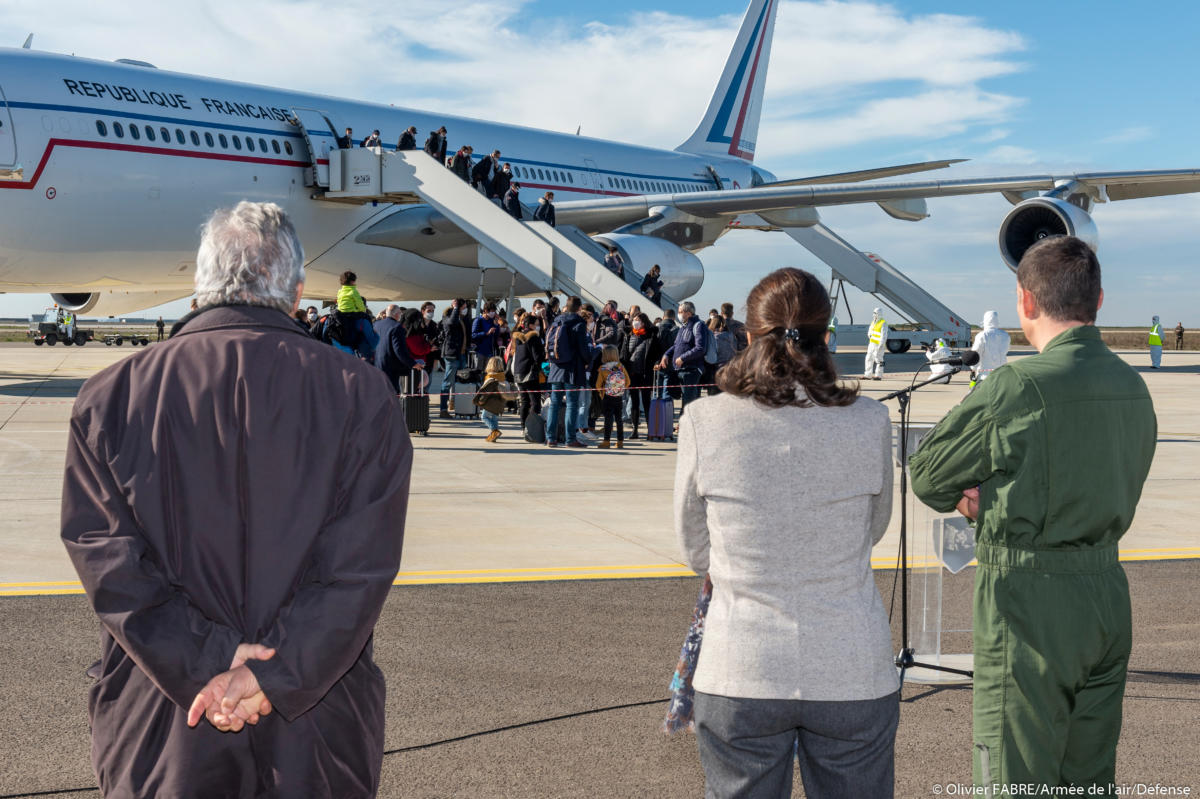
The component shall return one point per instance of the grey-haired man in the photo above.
(235, 566)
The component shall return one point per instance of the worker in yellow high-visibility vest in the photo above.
(1155, 343)
(877, 336)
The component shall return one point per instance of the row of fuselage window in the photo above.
(521, 172)
(164, 134)
(627, 184)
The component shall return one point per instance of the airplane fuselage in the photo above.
(121, 164)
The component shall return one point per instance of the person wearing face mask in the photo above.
(455, 338)
(312, 316)
(638, 355)
(484, 333)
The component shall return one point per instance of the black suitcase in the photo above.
(416, 405)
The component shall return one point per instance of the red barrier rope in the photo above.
(544, 390)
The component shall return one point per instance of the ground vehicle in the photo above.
(120, 338)
(58, 325)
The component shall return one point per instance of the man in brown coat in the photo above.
(234, 503)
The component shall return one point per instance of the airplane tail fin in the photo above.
(730, 126)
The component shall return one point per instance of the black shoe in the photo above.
(444, 414)
(633, 434)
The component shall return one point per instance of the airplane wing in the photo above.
(867, 174)
(1100, 186)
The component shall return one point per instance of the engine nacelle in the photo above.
(682, 273)
(77, 303)
(1033, 220)
(114, 302)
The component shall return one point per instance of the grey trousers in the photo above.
(845, 748)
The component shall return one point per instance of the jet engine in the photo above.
(1033, 220)
(80, 302)
(115, 302)
(682, 273)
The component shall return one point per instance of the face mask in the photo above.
(466, 311)
(429, 314)
(312, 317)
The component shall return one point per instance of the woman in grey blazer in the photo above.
(783, 485)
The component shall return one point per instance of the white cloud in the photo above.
(1129, 135)
(1011, 154)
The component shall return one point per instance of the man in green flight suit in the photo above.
(1049, 455)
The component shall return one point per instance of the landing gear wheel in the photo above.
(898, 346)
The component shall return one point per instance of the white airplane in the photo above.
(108, 169)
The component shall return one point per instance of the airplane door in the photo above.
(593, 172)
(321, 136)
(8, 141)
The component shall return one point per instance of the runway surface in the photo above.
(475, 671)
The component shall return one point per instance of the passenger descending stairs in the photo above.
(564, 260)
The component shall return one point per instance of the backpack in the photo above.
(558, 345)
(615, 384)
(710, 345)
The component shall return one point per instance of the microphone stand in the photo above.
(906, 659)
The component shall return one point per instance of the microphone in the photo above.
(967, 358)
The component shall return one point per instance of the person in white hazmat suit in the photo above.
(992, 345)
(939, 352)
(877, 336)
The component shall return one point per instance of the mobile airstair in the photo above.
(923, 316)
(553, 259)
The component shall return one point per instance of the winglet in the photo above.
(730, 126)
(28, 42)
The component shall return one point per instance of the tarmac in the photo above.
(541, 604)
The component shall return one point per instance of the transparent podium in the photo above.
(939, 543)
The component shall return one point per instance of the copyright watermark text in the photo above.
(1041, 789)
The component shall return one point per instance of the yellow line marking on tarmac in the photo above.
(549, 574)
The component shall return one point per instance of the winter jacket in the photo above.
(578, 350)
(689, 346)
(529, 351)
(434, 145)
(652, 288)
(273, 456)
(500, 184)
(392, 354)
(482, 172)
(350, 301)
(407, 141)
(489, 397)
(607, 333)
(639, 355)
(668, 329)
(512, 204)
(461, 165)
(545, 212)
(726, 346)
(456, 336)
(483, 336)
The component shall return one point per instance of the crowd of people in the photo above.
(488, 175)
(564, 356)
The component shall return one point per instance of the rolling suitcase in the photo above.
(416, 405)
(464, 401)
(660, 419)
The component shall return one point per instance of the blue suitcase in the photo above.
(660, 418)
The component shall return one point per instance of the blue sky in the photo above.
(1018, 87)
